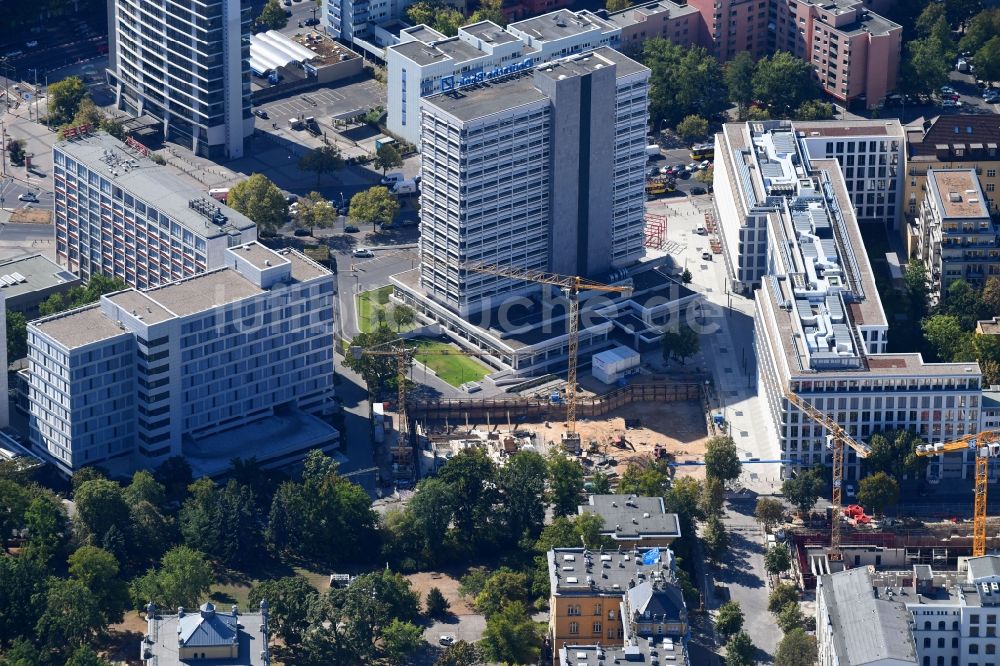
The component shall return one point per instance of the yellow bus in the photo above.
(702, 151)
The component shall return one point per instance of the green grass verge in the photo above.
(456, 369)
(368, 304)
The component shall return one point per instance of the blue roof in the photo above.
(207, 628)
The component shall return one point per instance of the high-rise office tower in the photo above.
(185, 63)
(542, 170)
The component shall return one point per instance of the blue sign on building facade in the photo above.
(448, 82)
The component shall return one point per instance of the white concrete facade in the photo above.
(425, 62)
(128, 381)
(118, 214)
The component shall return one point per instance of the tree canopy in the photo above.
(685, 81)
(783, 82)
(321, 161)
(374, 206)
(260, 200)
(804, 489)
(273, 15)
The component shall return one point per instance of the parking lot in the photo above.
(324, 104)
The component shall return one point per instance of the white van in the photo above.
(392, 178)
(652, 150)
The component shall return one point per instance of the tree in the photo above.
(273, 15)
(926, 65)
(790, 617)
(686, 276)
(647, 481)
(729, 619)
(782, 595)
(288, 602)
(403, 315)
(961, 300)
(64, 99)
(960, 11)
(489, 10)
(400, 640)
(260, 200)
(436, 606)
(460, 654)
(144, 488)
(814, 109)
(988, 60)
(85, 656)
(470, 477)
(322, 160)
(370, 603)
(182, 579)
(387, 157)
(722, 461)
(565, 483)
(713, 495)
(98, 570)
(174, 474)
(315, 212)
(448, 20)
(739, 81)
(421, 12)
(777, 560)
(797, 648)
(72, 615)
(783, 82)
(715, 538)
(682, 499)
(100, 505)
(374, 206)
(917, 289)
(22, 584)
(521, 488)
(588, 528)
(21, 653)
(984, 26)
(990, 295)
(681, 343)
(706, 176)
(600, 483)
(502, 587)
(617, 5)
(379, 372)
(15, 147)
(684, 81)
(804, 489)
(224, 523)
(47, 526)
(511, 636)
(17, 336)
(431, 508)
(894, 452)
(692, 128)
(878, 492)
(740, 650)
(769, 512)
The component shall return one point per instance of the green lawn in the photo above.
(368, 304)
(456, 369)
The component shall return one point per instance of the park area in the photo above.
(373, 306)
(453, 367)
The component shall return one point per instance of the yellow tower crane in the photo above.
(403, 354)
(571, 285)
(838, 438)
(985, 445)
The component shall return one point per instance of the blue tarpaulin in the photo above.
(651, 556)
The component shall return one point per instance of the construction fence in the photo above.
(498, 410)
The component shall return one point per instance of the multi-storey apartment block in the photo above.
(871, 154)
(187, 64)
(958, 238)
(425, 62)
(229, 363)
(680, 24)
(501, 158)
(951, 142)
(820, 330)
(119, 214)
(855, 51)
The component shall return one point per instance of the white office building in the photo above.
(235, 362)
(119, 214)
(187, 64)
(819, 327)
(425, 62)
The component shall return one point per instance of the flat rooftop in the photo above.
(328, 51)
(582, 571)
(585, 63)
(489, 32)
(847, 128)
(561, 24)
(38, 273)
(485, 99)
(259, 256)
(157, 186)
(423, 33)
(631, 517)
(957, 193)
(141, 305)
(203, 292)
(640, 13)
(80, 327)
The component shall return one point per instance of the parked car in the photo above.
(849, 488)
(446, 640)
(701, 231)
(363, 253)
(706, 256)
(947, 90)
(291, 199)
(302, 232)
(698, 190)
(312, 21)
(287, 3)
(28, 197)
(705, 164)
(655, 171)
(350, 229)
(950, 103)
(391, 178)
(261, 113)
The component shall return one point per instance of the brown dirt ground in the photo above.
(30, 216)
(423, 581)
(678, 426)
